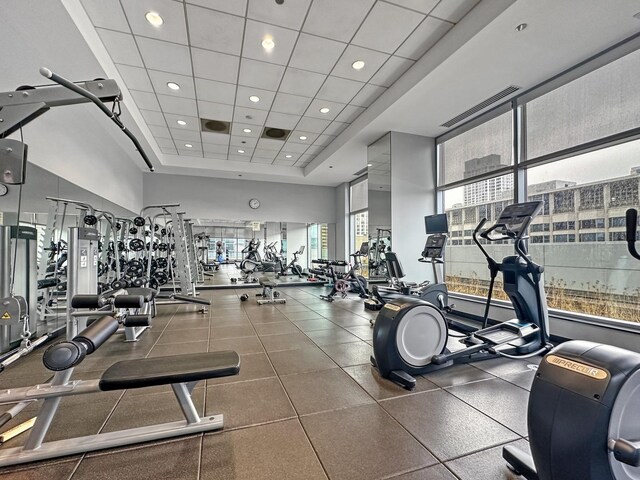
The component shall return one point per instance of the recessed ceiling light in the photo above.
(246, 130)
(240, 151)
(239, 175)
(521, 27)
(288, 156)
(324, 110)
(357, 65)
(369, 164)
(188, 145)
(254, 98)
(154, 18)
(173, 86)
(302, 137)
(181, 122)
(330, 166)
(268, 43)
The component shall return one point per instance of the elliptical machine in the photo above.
(435, 293)
(583, 410)
(410, 335)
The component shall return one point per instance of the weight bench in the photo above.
(269, 294)
(182, 372)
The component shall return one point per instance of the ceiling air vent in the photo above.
(500, 95)
(360, 172)
(215, 126)
(275, 133)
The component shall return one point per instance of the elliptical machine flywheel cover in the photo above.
(407, 334)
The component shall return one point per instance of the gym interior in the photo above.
(320, 239)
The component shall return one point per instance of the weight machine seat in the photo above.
(149, 372)
(267, 282)
(147, 293)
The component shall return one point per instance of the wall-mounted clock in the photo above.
(3, 189)
(254, 203)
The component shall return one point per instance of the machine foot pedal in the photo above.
(403, 379)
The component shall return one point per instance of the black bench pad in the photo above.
(147, 293)
(149, 372)
(267, 282)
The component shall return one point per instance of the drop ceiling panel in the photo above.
(282, 120)
(265, 98)
(315, 125)
(423, 6)
(324, 140)
(339, 89)
(337, 19)
(165, 56)
(367, 95)
(209, 148)
(237, 7)
(292, 147)
(169, 151)
(350, 113)
(121, 47)
(256, 32)
(239, 158)
(391, 71)
(135, 78)
(316, 54)
(372, 62)
(386, 27)
(160, 80)
(177, 105)
(287, 162)
(106, 14)
(250, 115)
(296, 134)
(215, 138)
(217, 92)
(174, 28)
(263, 153)
(245, 151)
(260, 74)
(271, 12)
(314, 149)
(336, 128)
(215, 66)
(270, 144)
(316, 105)
(242, 142)
(301, 82)
(153, 118)
(255, 159)
(215, 156)
(196, 151)
(292, 104)
(423, 38)
(193, 123)
(144, 100)
(215, 111)
(186, 135)
(453, 10)
(237, 129)
(215, 30)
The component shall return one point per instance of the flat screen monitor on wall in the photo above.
(436, 223)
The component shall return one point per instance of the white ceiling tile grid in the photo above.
(213, 50)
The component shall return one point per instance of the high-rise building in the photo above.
(489, 190)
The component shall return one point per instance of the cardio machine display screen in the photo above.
(436, 223)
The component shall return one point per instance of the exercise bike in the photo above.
(410, 335)
(583, 410)
(350, 281)
(435, 293)
(293, 267)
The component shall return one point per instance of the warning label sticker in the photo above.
(6, 316)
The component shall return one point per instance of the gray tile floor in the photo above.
(306, 404)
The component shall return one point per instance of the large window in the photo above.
(576, 150)
(358, 204)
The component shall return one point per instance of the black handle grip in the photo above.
(97, 333)
(137, 321)
(632, 225)
(128, 301)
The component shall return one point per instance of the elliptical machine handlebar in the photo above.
(632, 225)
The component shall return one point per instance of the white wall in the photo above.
(413, 195)
(342, 221)
(213, 198)
(296, 236)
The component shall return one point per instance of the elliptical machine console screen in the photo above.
(436, 223)
(515, 218)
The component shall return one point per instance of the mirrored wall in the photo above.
(379, 205)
